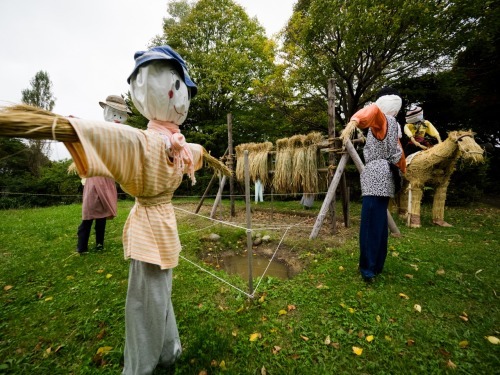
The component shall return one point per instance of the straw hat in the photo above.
(116, 102)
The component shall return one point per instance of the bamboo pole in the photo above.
(230, 161)
(218, 197)
(249, 224)
(329, 196)
(331, 154)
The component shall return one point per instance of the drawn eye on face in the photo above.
(177, 84)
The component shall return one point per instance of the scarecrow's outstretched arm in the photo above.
(23, 121)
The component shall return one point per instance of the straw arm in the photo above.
(22, 121)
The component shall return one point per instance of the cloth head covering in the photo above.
(116, 102)
(414, 115)
(158, 92)
(389, 104)
(165, 53)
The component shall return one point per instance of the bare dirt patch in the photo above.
(288, 231)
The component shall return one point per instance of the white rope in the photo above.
(217, 277)
(209, 218)
(261, 277)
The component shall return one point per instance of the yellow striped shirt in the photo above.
(138, 161)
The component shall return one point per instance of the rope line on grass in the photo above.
(261, 277)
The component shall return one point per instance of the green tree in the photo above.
(39, 95)
(228, 54)
(365, 44)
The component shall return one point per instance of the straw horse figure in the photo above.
(434, 167)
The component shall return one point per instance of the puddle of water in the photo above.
(238, 264)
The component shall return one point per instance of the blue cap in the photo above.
(165, 53)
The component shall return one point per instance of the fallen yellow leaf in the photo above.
(351, 310)
(304, 338)
(7, 287)
(410, 342)
(255, 336)
(222, 364)
(108, 276)
(409, 276)
(378, 318)
(450, 364)
(395, 254)
(341, 268)
(261, 299)
(234, 333)
(388, 338)
(276, 349)
(263, 371)
(327, 340)
(402, 295)
(492, 339)
(282, 312)
(357, 351)
(369, 338)
(415, 267)
(440, 272)
(417, 308)
(291, 307)
(104, 349)
(100, 271)
(463, 344)
(49, 299)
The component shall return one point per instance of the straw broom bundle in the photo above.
(283, 167)
(24, 121)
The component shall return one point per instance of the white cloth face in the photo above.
(159, 92)
(114, 115)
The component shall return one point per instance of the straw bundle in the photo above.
(23, 121)
(283, 167)
(258, 161)
(296, 143)
(310, 182)
(240, 159)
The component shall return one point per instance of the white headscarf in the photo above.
(389, 104)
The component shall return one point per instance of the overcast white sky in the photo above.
(87, 47)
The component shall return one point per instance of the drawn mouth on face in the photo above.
(179, 113)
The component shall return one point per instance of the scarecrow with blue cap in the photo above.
(149, 165)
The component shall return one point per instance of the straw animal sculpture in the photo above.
(434, 167)
(283, 167)
(23, 121)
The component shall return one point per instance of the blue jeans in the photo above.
(373, 235)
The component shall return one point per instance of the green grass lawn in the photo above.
(430, 312)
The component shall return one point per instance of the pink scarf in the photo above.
(176, 144)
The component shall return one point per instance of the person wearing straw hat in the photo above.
(383, 154)
(417, 129)
(99, 193)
